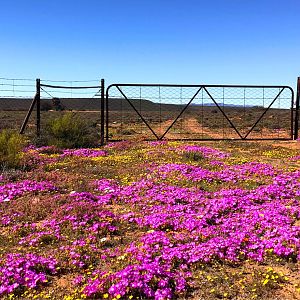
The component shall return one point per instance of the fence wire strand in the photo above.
(218, 112)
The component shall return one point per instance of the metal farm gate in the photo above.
(200, 112)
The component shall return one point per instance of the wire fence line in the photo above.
(19, 111)
(15, 88)
(16, 93)
(154, 111)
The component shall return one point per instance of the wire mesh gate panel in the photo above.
(199, 112)
(15, 98)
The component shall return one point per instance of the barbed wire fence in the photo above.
(152, 111)
(28, 105)
(55, 98)
(15, 97)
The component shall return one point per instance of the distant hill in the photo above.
(223, 104)
(86, 104)
(115, 104)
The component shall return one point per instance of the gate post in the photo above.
(106, 115)
(38, 107)
(297, 110)
(102, 114)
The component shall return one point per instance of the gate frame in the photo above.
(294, 123)
(296, 133)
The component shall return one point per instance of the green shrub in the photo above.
(68, 131)
(11, 145)
(193, 156)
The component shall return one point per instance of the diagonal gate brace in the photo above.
(183, 110)
(258, 120)
(142, 118)
(221, 110)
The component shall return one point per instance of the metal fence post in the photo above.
(297, 110)
(102, 114)
(38, 107)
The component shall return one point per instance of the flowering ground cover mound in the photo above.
(157, 220)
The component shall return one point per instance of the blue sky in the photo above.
(191, 42)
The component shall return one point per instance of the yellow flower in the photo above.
(105, 296)
(265, 281)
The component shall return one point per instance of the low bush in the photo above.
(11, 145)
(193, 156)
(68, 131)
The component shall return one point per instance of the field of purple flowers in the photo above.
(157, 220)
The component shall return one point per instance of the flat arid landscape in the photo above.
(196, 122)
(152, 220)
(149, 150)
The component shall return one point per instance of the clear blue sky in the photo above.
(213, 42)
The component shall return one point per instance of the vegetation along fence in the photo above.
(153, 111)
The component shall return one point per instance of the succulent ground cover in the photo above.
(152, 220)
